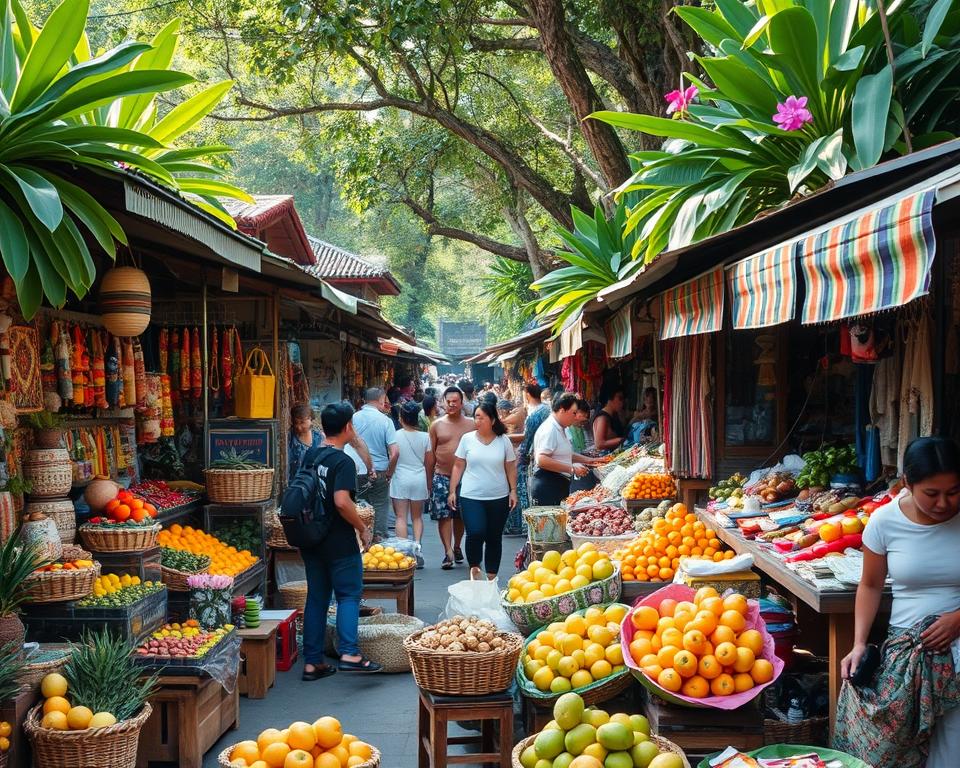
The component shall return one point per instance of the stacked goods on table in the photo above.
(463, 656)
(655, 554)
(321, 744)
(240, 534)
(126, 525)
(585, 737)
(235, 478)
(606, 526)
(587, 498)
(731, 488)
(576, 654)
(645, 485)
(188, 640)
(225, 560)
(698, 648)
(113, 591)
(178, 564)
(92, 714)
(161, 495)
(647, 516)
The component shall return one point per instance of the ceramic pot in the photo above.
(42, 532)
(100, 492)
(50, 472)
(62, 513)
(125, 301)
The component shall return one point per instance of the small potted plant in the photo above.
(17, 562)
(235, 478)
(47, 429)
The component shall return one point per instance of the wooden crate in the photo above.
(190, 714)
(14, 711)
(701, 732)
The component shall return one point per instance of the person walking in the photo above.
(469, 399)
(445, 434)
(487, 466)
(376, 430)
(553, 455)
(408, 488)
(327, 478)
(429, 413)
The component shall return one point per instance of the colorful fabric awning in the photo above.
(693, 307)
(876, 261)
(763, 288)
(619, 332)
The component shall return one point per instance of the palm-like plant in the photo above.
(801, 90)
(507, 289)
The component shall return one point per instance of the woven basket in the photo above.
(58, 586)
(62, 513)
(813, 731)
(293, 594)
(238, 486)
(389, 577)
(530, 616)
(464, 673)
(381, 639)
(276, 538)
(175, 580)
(663, 744)
(223, 759)
(114, 746)
(119, 538)
(31, 674)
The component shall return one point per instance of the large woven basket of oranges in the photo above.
(698, 649)
(387, 564)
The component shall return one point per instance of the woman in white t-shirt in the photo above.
(485, 471)
(408, 486)
(916, 540)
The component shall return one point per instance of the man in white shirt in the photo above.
(377, 431)
(553, 455)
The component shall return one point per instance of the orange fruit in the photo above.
(751, 639)
(736, 603)
(121, 513)
(762, 671)
(694, 641)
(734, 620)
(361, 749)
(665, 655)
(645, 616)
(78, 718)
(56, 704)
(55, 720)
(640, 647)
(649, 660)
(268, 737)
(712, 604)
(136, 504)
(298, 758)
(652, 671)
(259, 764)
(665, 623)
(138, 515)
(681, 618)
(326, 760)
(354, 761)
(340, 752)
(703, 593)
(696, 688)
(328, 732)
(685, 663)
(705, 621)
(671, 636)
(301, 736)
(670, 680)
(723, 685)
(742, 682)
(745, 659)
(723, 634)
(709, 668)
(275, 754)
(246, 750)
(726, 654)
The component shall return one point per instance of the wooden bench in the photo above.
(258, 659)
(401, 592)
(437, 712)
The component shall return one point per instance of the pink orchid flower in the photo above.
(679, 101)
(793, 114)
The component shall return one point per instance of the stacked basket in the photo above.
(119, 538)
(176, 580)
(114, 745)
(64, 584)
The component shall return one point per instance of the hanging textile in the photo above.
(874, 262)
(571, 337)
(688, 415)
(763, 288)
(619, 332)
(693, 307)
(916, 386)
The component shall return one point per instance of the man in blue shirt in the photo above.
(376, 430)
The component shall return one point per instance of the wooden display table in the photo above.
(437, 712)
(190, 714)
(401, 592)
(836, 605)
(258, 659)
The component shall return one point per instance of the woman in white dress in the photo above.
(408, 487)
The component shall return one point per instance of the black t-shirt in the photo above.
(337, 472)
(616, 425)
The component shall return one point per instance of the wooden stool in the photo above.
(402, 592)
(258, 659)
(436, 712)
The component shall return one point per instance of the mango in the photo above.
(548, 744)
(579, 738)
(666, 760)
(618, 760)
(528, 758)
(643, 754)
(615, 736)
(568, 710)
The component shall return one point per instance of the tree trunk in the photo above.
(516, 218)
(572, 77)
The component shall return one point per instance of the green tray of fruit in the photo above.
(774, 751)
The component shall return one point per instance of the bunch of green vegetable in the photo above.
(180, 560)
(242, 534)
(230, 459)
(820, 466)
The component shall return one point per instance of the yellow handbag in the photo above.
(255, 387)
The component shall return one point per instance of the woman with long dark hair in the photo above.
(486, 465)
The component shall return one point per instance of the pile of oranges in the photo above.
(126, 506)
(322, 744)
(655, 554)
(224, 559)
(701, 648)
(650, 486)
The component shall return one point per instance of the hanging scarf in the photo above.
(196, 367)
(166, 412)
(164, 349)
(227, 365)
(214, 376)
(129, 373)
(111, 369)
(175, 366)
(98, 370)
(77, 367)
(237, 356)
(139, 375)
(185, 363)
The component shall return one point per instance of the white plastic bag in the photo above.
(477, 598)
(702, 568)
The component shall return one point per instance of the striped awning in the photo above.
(763, 288)
(878, 260)
(619, 332)
(693, 307)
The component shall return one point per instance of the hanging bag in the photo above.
(255, 387)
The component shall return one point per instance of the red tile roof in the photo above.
(336, 265)
(274, 220)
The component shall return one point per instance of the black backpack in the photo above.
(303, 515)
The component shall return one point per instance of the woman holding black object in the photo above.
(485, 470)
(913, 705)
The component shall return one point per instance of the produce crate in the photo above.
(145, 564)
(53, 623)
(702, 732)
(14, 711)
(176, 666)
(747, 583)
(247, 519)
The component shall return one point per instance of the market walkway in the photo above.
(381, 709)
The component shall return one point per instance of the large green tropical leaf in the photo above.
(185, 116)
(51, 50)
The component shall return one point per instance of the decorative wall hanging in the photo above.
(25, 381)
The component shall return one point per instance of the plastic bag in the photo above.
(407, 546)
(477, 598)
(692, 567)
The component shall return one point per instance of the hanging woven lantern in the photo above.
(125, 301)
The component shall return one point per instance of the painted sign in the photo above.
(255, 437)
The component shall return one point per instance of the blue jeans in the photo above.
(484, 521)
(342, 577)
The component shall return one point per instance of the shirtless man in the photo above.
(445, 434)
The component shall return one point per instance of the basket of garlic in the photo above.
(463, 656)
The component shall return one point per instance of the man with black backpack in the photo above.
(320, 517)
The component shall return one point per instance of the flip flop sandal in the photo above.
(319, 671)
(363, 667)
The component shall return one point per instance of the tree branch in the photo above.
(521, 22)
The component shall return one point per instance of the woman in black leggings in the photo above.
(485, 472)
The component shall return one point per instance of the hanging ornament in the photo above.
(139, 375)
(164, 349)
(125, 301)
(77, 367)
(129, 373)
(175, 367)
(227, 365)
(185, 364)
(196, 367)
(61, 347)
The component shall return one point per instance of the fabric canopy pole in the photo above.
(763, 288)
(693, 307)
(877, 261)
